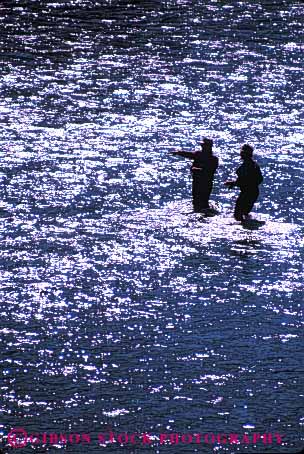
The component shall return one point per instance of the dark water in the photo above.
(121, 309)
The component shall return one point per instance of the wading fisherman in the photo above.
(203, 169)
(249, 177)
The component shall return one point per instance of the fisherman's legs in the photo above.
(238, 210)
(201, 191)
(244, 203)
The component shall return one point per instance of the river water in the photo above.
(122, 310)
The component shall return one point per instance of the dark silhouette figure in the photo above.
(203, 169)
(249, 177)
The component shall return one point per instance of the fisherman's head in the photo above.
(246, 151)
(207, 144)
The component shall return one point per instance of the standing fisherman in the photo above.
(249, 177)
(203, 169)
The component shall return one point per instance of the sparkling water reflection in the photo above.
(121, 308)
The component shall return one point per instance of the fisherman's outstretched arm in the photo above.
(184, 154)
(242, 177)
(232, 184)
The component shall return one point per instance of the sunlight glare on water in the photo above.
(121, 308)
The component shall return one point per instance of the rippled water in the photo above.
(121, 309)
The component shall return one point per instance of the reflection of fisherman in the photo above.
(203, 169)
(249, 177)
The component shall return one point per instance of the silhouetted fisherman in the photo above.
(249, 177)
(203, 169)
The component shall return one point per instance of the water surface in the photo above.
(122, 309)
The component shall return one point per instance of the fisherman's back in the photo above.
(249, 175)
